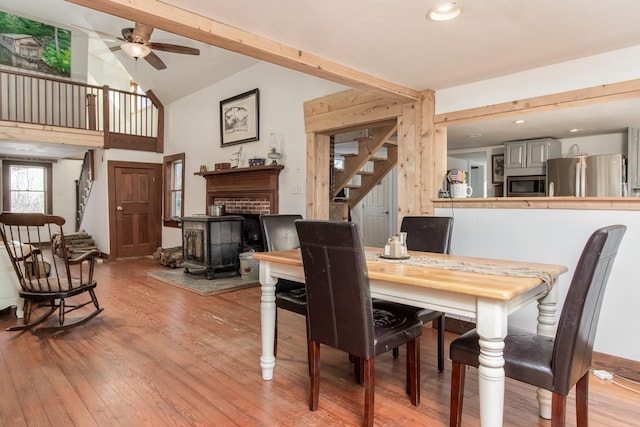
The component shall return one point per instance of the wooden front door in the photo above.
(135, 196)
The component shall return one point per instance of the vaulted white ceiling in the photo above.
(391, 40)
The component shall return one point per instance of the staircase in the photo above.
(377, 154)
(83, 186)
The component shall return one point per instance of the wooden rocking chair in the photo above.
(46, 279)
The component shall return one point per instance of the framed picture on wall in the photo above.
(497, 168)
(240, 118)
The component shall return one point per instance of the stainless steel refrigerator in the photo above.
(591, 176)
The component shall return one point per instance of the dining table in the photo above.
(482, 289)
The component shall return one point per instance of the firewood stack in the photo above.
(170, 257)
(76, 243)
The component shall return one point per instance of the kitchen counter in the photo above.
(578, 203)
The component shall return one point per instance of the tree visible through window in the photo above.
(173, 189)
(27, 187)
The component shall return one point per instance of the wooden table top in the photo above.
(494, 286)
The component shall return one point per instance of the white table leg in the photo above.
(492, 328)
(267, 320)
(547, 325)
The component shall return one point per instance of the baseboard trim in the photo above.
(626, 368)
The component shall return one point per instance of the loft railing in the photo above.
(128, 120)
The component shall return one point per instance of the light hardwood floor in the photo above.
(159, 355)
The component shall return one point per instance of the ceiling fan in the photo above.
(136, 44)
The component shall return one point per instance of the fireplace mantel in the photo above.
(251, 185)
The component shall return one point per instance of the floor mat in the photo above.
(199, 284)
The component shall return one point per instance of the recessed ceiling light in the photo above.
(519, 122)
(445, 12)
(475, 135)
(574, 130)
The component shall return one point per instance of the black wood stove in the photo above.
(212, 244)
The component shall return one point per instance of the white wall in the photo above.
(64, 175)
(106, 72)
(555, 235)
(615, 66)
(598, 144)
(193, 127)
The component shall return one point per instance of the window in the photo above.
(173, 189)
(26, 186)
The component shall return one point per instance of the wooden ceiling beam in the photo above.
(206, 30)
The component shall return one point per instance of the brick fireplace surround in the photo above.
(244, 191)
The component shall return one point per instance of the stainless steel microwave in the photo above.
(526, 186)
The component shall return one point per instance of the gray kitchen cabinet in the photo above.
(532, 153)
(633, 161)
(515, 155)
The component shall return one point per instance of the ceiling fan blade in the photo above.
(127, 34)
(114, 48)
(155, 61)
(174, 48)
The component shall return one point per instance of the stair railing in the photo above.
(83, 187)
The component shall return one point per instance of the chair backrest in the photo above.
(28, 238)
(279, 232)
(428, 233)
(578, 322)
(338, 298)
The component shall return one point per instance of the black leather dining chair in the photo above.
(279, 234)
(556, 364)
(340, 311)
(425, 234)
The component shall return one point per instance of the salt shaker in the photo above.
(396, 250)
(387, 247)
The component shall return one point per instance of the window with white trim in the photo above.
(173, 189)
(26, 186)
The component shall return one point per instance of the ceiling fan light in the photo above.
(135, 50)
(445, 12)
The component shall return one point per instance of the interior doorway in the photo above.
(377, 213)
(135, 208)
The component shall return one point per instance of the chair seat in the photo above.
(55, 285)
(392, 330)
(291, 296)
(527, 356)
(423, 314)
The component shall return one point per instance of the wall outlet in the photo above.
(297, 189)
